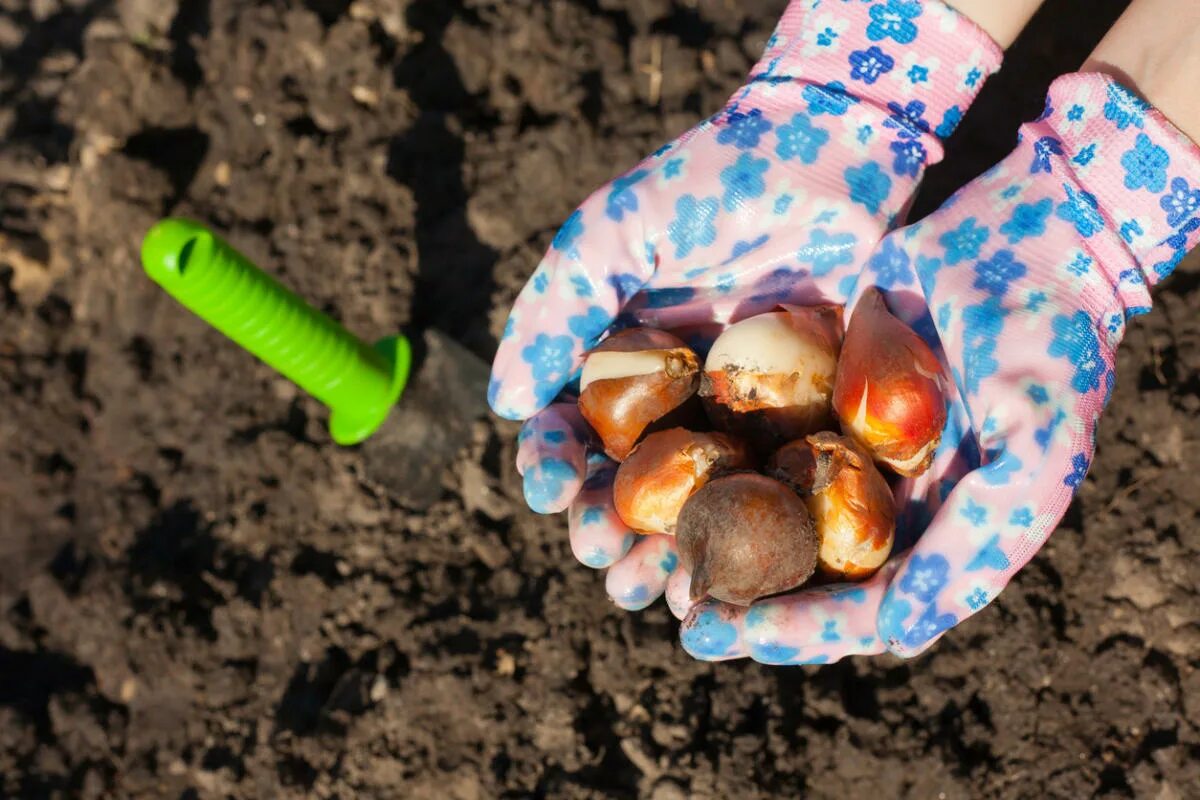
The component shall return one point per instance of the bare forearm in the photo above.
(1003, 20)
(1154, 48)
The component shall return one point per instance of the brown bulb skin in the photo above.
(888, 392)
(769, 378)
(632, 382)
(849, 500)
(745, 536)
(662, 472)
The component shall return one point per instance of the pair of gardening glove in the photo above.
(1022, 283)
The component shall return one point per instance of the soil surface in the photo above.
(200, 597)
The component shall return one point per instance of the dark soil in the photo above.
(201, 597)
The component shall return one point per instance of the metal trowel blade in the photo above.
(431, 424)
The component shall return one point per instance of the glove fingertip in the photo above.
(502, 405)
(906, 629)
(552, 458)
(559, 315)
(678, 593)
(598, 537)
(598, 557)
(634, 597)
(550, 485)
(707, 634)
(515, 397)
(640, 577)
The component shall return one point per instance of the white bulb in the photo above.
(768, 344)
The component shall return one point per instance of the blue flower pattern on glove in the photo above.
(831, 98)
(570, 232)
(927, 270)
(910, 158)
(908, 120)
(545, 485)
(710, 636)
(1080, 208)
(994, 275)
(800, 139)
(891, 265)
(1043, 149)
(549, 356)
(743, 180)
(978, 599)
(827, 251)
(694, 224)
(621, 197)
(949, 122)
(1145, 165)
(925, 577)
(1021, 517)
(1079, 470)
(974, 513)
(1181, 202)
(1028, 219)
(867, 65)
(989, 557)
(1124, 108)
(589, 327)
(1075, 340)
(894, 20)
(892, 613)
(744, 129)
(963, 243)
(982, 324)
(869, 185)
(929, 626)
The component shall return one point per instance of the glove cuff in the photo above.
(1131, 179)
(920, 56)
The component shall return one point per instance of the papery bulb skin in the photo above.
(745, 536)
(888, 392)
(769, 378)
(633, 381)
(663, 471)
(849, 500)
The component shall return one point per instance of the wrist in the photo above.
(1154, 49)
(1003, 21)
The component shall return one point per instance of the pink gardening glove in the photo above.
(778, 197)
(1023, 281)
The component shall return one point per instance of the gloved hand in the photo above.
(1024, 280)
(778, 197)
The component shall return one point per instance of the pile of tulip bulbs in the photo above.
(764, 461)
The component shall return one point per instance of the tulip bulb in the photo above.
(631, 381)
(745, 536)
(770, 378)
(888, 391)
(849, 500)
(662, 472)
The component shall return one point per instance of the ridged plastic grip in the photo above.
(358, 382)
